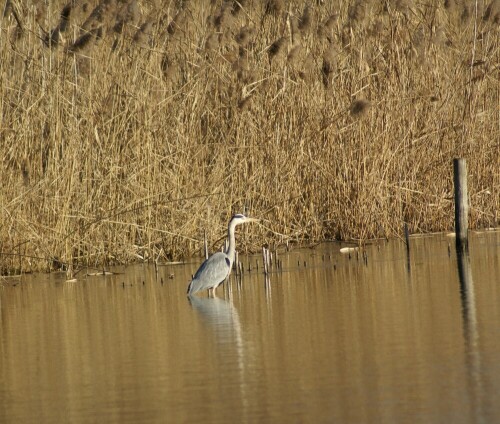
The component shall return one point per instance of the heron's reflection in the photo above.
(221, 316)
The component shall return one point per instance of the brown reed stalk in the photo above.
(359, 107)
(112, 156)
(304, 23)
(277, 47)
(177, 22)
(329, 64)
(274, 7)
(144, 32)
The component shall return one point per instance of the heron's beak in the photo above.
(253, 220)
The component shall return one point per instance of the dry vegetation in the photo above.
(126, 127)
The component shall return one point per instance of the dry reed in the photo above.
(122, 142)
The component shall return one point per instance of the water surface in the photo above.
(330, 338)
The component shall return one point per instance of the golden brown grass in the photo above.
(128, 127)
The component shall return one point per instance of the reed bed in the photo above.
(129, 127)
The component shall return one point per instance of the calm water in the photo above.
(337, 340)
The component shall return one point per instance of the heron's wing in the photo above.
(213, 271)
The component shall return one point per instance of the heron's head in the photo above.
(242, 219)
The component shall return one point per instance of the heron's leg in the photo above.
(211, 292)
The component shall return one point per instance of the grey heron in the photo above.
(217, 267)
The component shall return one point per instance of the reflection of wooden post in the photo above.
(461, 203)
(471, 333)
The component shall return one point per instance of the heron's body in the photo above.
(211, 273)
(217, 267)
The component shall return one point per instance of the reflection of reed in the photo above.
(471, 336)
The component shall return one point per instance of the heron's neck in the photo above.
(231, 242)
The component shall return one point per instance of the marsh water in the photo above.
(331, 337)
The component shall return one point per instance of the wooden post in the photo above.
(264, 260)
(407, 238)
(461, 203)
(205, 244)
(407, 242)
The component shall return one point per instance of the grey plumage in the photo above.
(212, 272)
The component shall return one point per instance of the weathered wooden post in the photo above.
(461, 203)
(264, 260)
(205, 244)
(407, 242)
